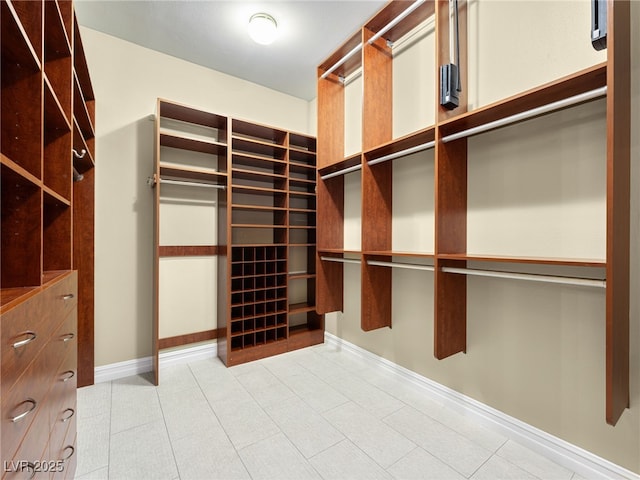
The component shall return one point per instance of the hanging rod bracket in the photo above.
(152, 181)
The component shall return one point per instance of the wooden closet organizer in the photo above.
(369, 50)
(46, 289)
(265, 199)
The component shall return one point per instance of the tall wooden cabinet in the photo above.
(47, 254)
(369, 51)
(256, 187)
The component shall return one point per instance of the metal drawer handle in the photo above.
(69, 375)
(73, 450)
(33, 403)
(68, 296)
(68, 417)
(31, 336)
(69, 336)
(29, 467)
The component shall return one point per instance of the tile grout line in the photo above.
(164, 421)
(275, 423)
(235, 449)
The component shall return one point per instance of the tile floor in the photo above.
(310, 414)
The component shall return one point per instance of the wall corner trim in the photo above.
(115, 371)
(570, 456)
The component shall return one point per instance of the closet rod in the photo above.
(340, 260)
(395, 21)
(341, 172)
(409, 266)
(342, 60)
(402, 153)
(585, 282)
(550, 107)
(192, 184)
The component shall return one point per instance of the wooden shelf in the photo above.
(184, 113)
(301, 308)
(81, 113)
(22, 33)
(580, 82)
(192, 173)
(258, 149)
(348, 67)
(184, 142)
(568, 262)
(394, 253)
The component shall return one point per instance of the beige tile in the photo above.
(276, 458)
(497, 468)
(419, 464)
(533, 462)
(309, 431)
(142, 452)
(346, 461)
(457, 451)
(379, 441)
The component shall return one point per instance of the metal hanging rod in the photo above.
(584, 282)
(582, 97)
(395, 21)
(384, 30)
(192, 184)
(342, 60)
(402, 153)
(408, 266)
(340, 260)
(341, 172)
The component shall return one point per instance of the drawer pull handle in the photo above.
(31, 336)
(69, 336)
(33, 404)
(73, 450)
(68, 417)
(29, 467)
(68, 375)
(68, 296)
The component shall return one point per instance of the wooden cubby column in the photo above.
(618, 208)
(450, 296)
(377, 181)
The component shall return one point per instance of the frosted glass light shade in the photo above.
(263, 28)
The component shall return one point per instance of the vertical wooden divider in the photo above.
(450, 296)
(83, 261)
(330, 194)
(223, 304)
(618, 208)
(377, 181)
(156, 251)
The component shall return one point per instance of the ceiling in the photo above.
(214, 34)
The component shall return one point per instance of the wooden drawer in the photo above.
(25, 329)
(31, 459)
(29, 394)
(62, 398)
(65, 454)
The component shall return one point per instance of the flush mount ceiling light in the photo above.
(263, 28)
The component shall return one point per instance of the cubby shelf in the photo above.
(447, 136)
(260, 168)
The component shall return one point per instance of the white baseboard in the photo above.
(584, 463)
(115, 371)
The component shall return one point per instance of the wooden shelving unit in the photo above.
(265, 224)
(46, 286)
(448, 138)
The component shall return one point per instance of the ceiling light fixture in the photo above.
(263, 28)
